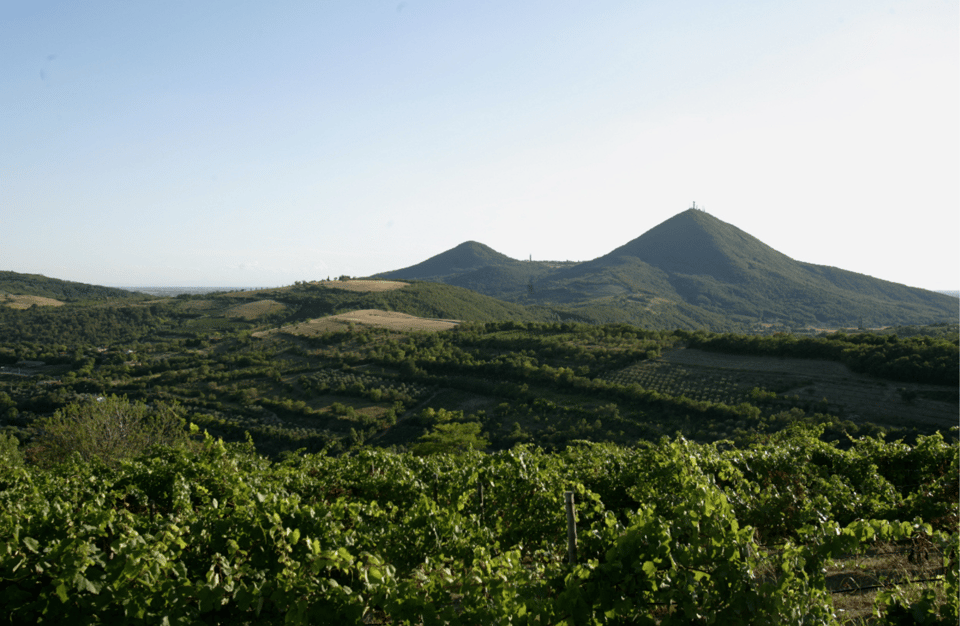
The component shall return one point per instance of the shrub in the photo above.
(108, 429)
(10, 450)
(451, 437)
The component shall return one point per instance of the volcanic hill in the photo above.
(693, 271)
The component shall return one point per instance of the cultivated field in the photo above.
(367, 317)
(25, 302)
(254, 310)
(197, 305)
(728, 378)
(359, 286)
(363, 286)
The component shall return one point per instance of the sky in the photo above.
(258, 144)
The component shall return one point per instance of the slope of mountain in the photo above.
(477, 267)
(694, 270)
(466, 257)
(420, 298)
(37, 285)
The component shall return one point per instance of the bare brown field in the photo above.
(363, 286)
(729, 378)
(367, 317)
(254, 310)
(25, 302)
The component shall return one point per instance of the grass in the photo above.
(25, 302)
(254, 310)
(391, 320)
(856, 581)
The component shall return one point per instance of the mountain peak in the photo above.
(696, 243)
(469, 255)
(691, 270)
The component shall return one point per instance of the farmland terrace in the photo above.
(827, 386)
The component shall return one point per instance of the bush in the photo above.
(451, 437)
(10, 455)
(108, 429)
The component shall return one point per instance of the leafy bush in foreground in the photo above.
(108, 429)
(220, 535)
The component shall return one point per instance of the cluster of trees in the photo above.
(37, 285)
(915, 359)
(376, 388)
(76, 325)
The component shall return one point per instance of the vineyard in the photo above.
(827, 386)
(358, 473)
(676, 380)
(795, 531)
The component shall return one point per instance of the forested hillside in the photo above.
(37, 285)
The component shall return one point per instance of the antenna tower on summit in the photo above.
(695, 207)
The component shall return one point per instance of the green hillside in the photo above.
(691, 271)
(420, 298)
(37, 285)
(466, 257)
(426, 299)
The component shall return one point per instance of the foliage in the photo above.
(219, 535)
(107, 429)
(10, 450)
(523, 380)
(37, 285)
(452, 437)
(915, 359)
(78, 325)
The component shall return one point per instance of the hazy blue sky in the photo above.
(261, 143)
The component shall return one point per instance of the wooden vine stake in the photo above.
(571, 528)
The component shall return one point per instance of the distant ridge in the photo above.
(173, 290)
(692, 270)
(466, 257)
(478, 267)
(15, 283)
